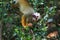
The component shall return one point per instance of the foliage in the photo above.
(11, 24)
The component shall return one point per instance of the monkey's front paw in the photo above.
(30, 24)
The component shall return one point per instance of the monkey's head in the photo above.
(35, 18)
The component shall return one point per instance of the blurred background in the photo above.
(10, 28)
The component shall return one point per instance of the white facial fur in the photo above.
(38, 16)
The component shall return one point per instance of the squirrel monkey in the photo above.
(28, 13)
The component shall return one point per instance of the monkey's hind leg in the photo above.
(23, 21)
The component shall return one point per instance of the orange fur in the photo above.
(23, 21)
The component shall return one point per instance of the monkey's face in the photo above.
(35, 17)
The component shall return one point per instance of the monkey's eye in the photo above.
(34, 16)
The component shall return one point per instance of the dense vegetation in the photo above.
(10, 23)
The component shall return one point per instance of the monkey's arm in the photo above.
(23, 21)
